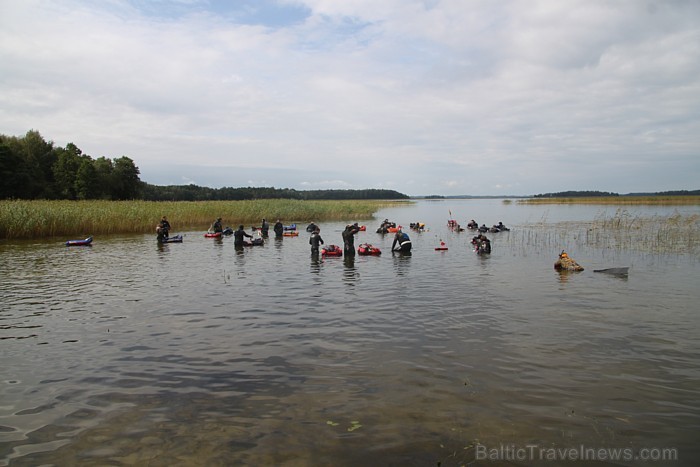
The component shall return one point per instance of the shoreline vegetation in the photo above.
(612, 200)
(21, 219)
(676, 233)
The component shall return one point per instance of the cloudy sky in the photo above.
(482, 97)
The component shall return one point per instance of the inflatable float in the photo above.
(84, 242)
(332, 250)
(290, 227)
(173, 239)
(254, 242)
(387, 227)
(291, 233)
(366, 249)
(213, 234)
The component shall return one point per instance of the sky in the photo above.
(449, 97)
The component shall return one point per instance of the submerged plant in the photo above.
(676, 233)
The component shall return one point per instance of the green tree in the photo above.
(40, 158)
(126, 179)
(87, 185)
(104, 169)
(14, 177)
(65, 170)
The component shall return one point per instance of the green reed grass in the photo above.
(674, 233)
(621, 200)
(30, 219)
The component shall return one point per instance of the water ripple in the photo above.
(195, 353)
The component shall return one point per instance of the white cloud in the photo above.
(426, 91)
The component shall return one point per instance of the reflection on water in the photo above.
(350, 273)
(131, 353)
(402, 261)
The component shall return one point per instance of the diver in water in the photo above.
(163, 229)
(278, 228)
(349, 239)
(481, 244)
(239, 236)
(403, 240)
(216, 226)
(315, 240)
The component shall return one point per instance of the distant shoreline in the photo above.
(575, 194)
(638, 200)
(620, 199)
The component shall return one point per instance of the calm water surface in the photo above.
(127, 353)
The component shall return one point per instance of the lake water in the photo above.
(130, 353)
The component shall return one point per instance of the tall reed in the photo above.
(621, 200)
(676, 233)
(28, 219)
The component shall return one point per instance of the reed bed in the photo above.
(621, 200)
(31, 219)
(676, 233)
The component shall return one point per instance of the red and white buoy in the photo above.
(442, 247)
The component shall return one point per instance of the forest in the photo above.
(34, 168)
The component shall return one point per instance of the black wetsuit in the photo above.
(349, 239)
(315, 241)
(264, 227)
(239, 236)
(163, 230)
(279, 229)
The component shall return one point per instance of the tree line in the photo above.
(199, 193)
(33, 168)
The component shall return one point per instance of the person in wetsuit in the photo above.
(278, 228)
(216, 226)
(481, 244)
(163, 229)
(403, 240)
(315, 240)
(264, 228)
(349, 238)
(239, 236)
